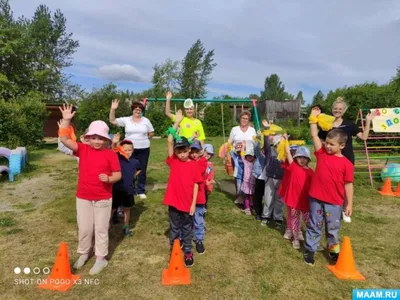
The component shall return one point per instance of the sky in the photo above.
(311, 44)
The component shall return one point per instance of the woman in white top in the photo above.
(139, 131)
(239, 134)
(243, 132)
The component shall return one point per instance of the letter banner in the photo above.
(386, 120)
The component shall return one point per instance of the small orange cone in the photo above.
(345, 267)
(61, 278)
(397, 193)
(176, 272)
(387, 188)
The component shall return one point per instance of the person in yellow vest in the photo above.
(190, 126)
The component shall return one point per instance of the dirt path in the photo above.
(30, 191)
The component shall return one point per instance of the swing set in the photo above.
(222, 101)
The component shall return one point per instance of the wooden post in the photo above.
(175, 109)
(196, 110)
(234, 112)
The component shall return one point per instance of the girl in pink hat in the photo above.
(99, 168)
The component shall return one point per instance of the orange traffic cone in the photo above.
(60, 278)
(397, 192)
(387, 188)
(345, 267)
(176, 272)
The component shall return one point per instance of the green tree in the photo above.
(52, 48)
(396, 80)
(165, 78)
(254, 96)
(15, 71)
(96, 106)
(274, 89)
(300, 97)
(318, 98)
(34, 53)
(196, 70)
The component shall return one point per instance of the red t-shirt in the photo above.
(285, 180)
(331, 174)
(182, 177)
(92, 163)
(297, 182)
(202, 165)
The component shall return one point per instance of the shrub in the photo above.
(21, 121)
(213, 120)
(96, 106)
(157, 117)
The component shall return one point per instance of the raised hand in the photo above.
(371, 116)
(168, 96)
(116, 138)
(265, 123)
(114, 104)
(315, 111)
(66, 111)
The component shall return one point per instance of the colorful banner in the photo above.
(386, 120)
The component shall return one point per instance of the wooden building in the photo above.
(50, 127)
(277, 111)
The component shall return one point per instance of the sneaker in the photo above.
(142, 196)
(127, 231)
(258, 218)
(333, 257)
(288, 234)
(278, 225)
(309, 258)
(299, 236)
(320, 248)
(81, 261)
(247, 211)
(265, 222)
(238, 201)
(98, 267)
(296, 244)
(200, 247)
(346, 219)
(189, 262)
(120, 212)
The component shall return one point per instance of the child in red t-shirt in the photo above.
(294, 192)
(181, 193)
(196, 154)
(98, 169)
(331, 184)
(208, 154)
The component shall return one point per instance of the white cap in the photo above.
(188, 103)
(276, 139)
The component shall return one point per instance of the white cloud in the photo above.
(306, 42)
(121, 73)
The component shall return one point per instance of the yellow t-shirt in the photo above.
(189, 126)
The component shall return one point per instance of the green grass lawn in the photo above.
(243, 259)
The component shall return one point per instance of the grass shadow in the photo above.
(116, 235)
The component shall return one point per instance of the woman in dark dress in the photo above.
(339, 107)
